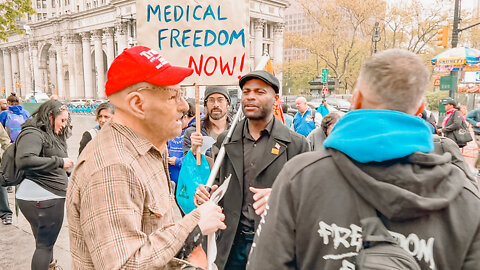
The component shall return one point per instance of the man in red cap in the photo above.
(120, 202)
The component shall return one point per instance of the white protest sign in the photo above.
(208, 36)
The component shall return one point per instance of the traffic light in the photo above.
(443, 37)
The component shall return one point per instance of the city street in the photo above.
(16, 241)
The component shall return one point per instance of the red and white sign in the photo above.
(324, 91)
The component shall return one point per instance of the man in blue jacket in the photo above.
(303, 121)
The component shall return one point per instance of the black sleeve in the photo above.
(270, 251)
(85, 139)
(193, 240)
(27, 155)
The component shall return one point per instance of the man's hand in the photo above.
(477, 124)
(197, 141)
(211, 218)
(171, 160)
(202, 195)
(261, 199)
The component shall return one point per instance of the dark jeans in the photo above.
(45, 218)
(238, 257)
(4, 207)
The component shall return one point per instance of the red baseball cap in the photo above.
(142, 64)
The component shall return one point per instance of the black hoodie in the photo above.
(312, 220)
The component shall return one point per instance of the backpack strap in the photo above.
(373, 229)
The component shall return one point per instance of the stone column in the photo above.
(15, 70)
(79, 76)
(60, 77)
(109, 32)
(2, 70)
(37, 81)
(28, 71)
(21, 70)
(99, 65)
(52, 70)
(7, 62)
(87, 64)
(278, 50)
(122, 40)
(71, 67)
(258, 31)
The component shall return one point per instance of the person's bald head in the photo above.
(301, 103)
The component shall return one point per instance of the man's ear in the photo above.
(136, 104)
(421, 108)
(357, 100)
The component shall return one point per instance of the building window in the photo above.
(44, 3)
(266, 48)
(39, 4)
(267, 31)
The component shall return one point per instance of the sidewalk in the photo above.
(17, 243)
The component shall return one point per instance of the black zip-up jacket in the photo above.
(41, 160)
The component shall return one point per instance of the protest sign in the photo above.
(208, 36)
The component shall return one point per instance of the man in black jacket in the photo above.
(259, 147)
(380, 152)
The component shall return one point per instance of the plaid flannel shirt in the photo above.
(120, 205)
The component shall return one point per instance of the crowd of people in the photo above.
(316, 190)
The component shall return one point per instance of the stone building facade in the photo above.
(70, 44)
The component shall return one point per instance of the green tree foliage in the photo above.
(433, 99)
(297, 74)
(10, 11)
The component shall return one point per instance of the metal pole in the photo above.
(375, 38)
(456, 19)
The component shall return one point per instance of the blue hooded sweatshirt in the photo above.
(379, 135)
(16, 109)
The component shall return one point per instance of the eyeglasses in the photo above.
(219, 100)
(176, 94)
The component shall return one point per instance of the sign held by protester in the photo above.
(208, 36)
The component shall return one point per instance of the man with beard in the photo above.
(259, 147)
(217, 103)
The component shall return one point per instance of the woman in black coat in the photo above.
(41, 152)
(452, 122)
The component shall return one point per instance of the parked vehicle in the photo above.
(338, 103)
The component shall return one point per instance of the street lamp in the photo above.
(375, 38)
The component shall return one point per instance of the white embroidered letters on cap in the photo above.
(153, 55)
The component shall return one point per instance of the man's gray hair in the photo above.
(397, 78)
(301, 98)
